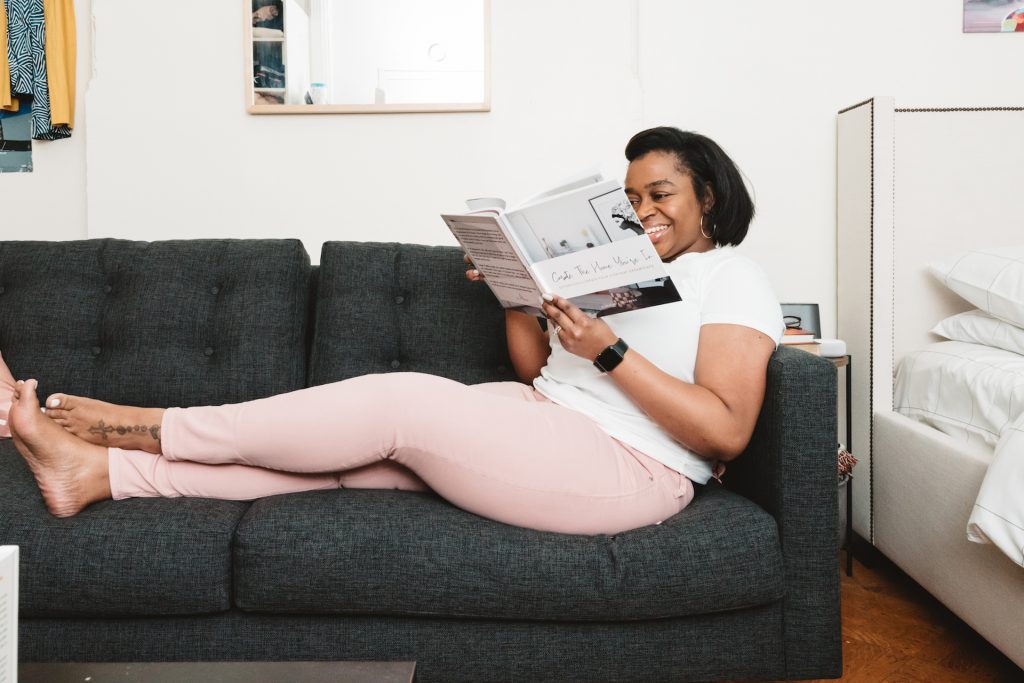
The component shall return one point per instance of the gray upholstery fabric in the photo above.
(307, 553)
(741, 644)
(742, 584)
(411, 309)
(789, 468)
(175, 323)
(126, 558)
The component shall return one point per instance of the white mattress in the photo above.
(975, 394)
(971, 392)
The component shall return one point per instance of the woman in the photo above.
(585, 449)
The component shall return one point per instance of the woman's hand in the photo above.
(528, 347)
(472, 273)
(579, 334)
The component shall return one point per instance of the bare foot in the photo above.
(107, 424)
(71, 473)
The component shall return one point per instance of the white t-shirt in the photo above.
(717, 286)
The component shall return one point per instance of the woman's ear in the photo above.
(708, 202)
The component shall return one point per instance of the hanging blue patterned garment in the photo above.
(26, 53)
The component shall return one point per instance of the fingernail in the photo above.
(547, 297)
(35, 384)
(54, 402)
(476, 273)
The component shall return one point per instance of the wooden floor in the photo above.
(894, 631)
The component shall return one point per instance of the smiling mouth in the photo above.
(655, 230)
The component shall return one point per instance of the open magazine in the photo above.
(580, 240)
(8, 613)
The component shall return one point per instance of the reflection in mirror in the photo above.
(322, 56)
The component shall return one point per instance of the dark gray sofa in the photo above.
(744, 583)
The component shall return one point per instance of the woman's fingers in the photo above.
(472, 274)
(578, 332)
(563, 311)
(560, 312)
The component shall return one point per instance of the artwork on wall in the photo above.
(993, 16)
(16, 141)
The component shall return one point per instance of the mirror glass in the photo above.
(323, 56)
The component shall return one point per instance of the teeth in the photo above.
(655, 229)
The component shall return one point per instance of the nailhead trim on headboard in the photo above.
(871, 316)
(871, 340)
(859, 104)
(953, 109)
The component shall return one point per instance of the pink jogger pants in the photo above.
(499, 450)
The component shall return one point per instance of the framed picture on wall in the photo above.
(993, 16)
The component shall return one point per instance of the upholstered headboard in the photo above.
(913, 186)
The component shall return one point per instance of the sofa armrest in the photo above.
(789, 469)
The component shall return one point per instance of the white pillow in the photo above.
(991, 279)
(978, 327)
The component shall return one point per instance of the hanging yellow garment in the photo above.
(60, 60)
(6, 101)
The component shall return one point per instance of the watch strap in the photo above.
(610, 358)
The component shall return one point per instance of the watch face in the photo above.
(609, 359)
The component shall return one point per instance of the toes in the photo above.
(56, 401)
(27, 393)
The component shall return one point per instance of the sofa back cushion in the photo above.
(404, 308)
(173, 323)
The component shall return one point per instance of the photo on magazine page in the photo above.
(629, 298)
(581, 219)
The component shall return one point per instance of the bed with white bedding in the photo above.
(974, 393)
(917, 191)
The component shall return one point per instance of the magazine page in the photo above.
(8, 614)
(497, 257)
(582, 218)
(582, 241)
(612, 278)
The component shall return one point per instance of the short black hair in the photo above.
(708, 165)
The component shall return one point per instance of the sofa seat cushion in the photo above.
(141, 557)
(392, 552)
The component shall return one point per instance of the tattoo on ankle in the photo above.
(102, 429)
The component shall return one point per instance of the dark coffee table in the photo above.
(219, 672)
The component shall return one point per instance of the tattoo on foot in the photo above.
(102, 429)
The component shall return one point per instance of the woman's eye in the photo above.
(634, 202)
(658, 196)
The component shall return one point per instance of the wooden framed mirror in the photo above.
(367, 56)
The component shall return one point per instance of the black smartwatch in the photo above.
(610, 358)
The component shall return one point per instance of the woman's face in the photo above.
(664, 199)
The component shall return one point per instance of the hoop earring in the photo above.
(704, 234)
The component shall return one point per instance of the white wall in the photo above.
(171, 152)
(766, 81)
